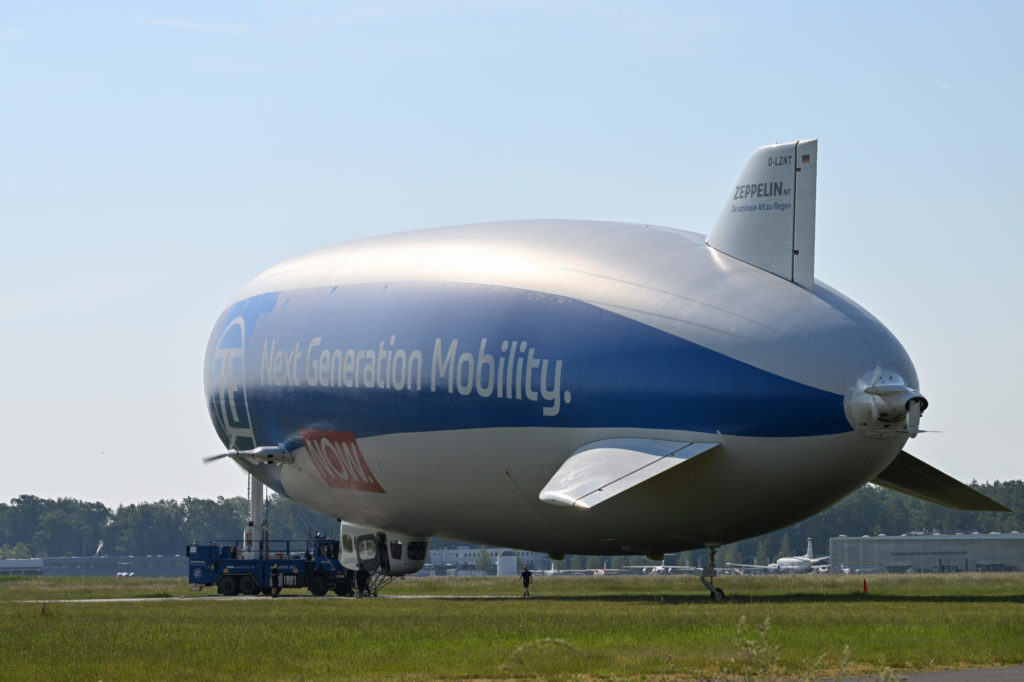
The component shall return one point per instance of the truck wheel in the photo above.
(248, 585)
(318, 584)
(227, 586)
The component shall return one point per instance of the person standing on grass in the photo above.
(275, 587)
(526, 577)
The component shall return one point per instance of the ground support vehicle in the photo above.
(313, 564)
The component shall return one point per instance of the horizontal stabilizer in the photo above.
(910, 475)
(602, 470)
(768, 220)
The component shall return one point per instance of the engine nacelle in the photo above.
(393, 554)
(880, 403)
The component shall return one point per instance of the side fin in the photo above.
(601, 470)
(768, 220)
(909, 475)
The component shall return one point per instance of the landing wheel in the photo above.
(717, 595)
(248, 585)
(227, 586)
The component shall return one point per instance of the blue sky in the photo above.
(157, 156)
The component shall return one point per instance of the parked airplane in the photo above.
(604, 570)
(571, 386)
(788, 564)
(661, 569)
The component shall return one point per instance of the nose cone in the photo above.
(880, 403)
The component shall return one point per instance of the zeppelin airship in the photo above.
(571, 386)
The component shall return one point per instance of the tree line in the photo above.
(35, 527)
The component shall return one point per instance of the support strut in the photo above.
(708, 578)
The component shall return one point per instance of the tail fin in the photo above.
(910, 475)
(810, 549)
(768, 220)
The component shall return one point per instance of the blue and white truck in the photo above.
(313, 564)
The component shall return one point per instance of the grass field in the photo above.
(662, 627)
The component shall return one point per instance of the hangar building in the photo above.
(922, 553)
(119, 566)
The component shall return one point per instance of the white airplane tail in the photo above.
(810, 549)
(768, 220)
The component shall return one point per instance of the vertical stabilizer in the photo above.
(768, 220)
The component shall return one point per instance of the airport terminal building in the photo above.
(928, 553)
(462, 560)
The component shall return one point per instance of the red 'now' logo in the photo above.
(337, 457)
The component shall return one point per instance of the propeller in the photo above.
(214, 458)
(881, 402)
(264, 453)
(232, 437)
